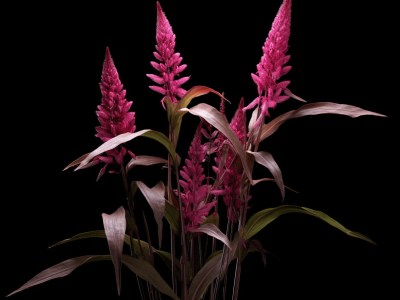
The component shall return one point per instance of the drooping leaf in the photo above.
(214, 231)
(175, 112)
(114, 228)
(146, 271)
(165, 256)
(262, 218)
(59, 270)
(155, 198)
(316, 108)
(145, 160)
(76, 161)
(219, 121)
(266, 159)
(123, 138)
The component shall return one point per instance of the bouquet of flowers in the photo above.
(201, 208)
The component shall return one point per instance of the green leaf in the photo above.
(146, 271)
(175, 112)
(261, 219)
(172, 216)
(114, 228)
(215, 267)
(316, 108)
(60, 270)
(219, 121)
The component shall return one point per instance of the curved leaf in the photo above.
(59, 270)
(146, 271)
(175, 114)
(316, 108)
(145, 160)
(216, 266)
(123, 138)
(214, 231)
(155, 198)
(172, 216)
(219, 121)
(165, 256)
(261, 219)
(114, 228)
(266, 159)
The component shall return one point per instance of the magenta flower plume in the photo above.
(229, 169)
(169, 66)
(113, 112)
(195, 193)
(272, 65)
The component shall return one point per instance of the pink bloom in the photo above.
(113, 112)
(195, 192)
(169, 66)
(229, 168)
(272, 65)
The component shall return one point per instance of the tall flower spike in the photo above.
(169, 65)
(113, 112)
(194, 196)
(229, 168)
(272, 65)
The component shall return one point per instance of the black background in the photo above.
(340, 52)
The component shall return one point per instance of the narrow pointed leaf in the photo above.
(123, 138)
(145, 160)
(216, 266)
(115, 227)
(194, 92)
(146, 271)
(155, 198)
(175, 112)
(219, 121)
(59, 270)
(261, 219)
(172, 216)
(316, 108)
(267, 160)
(76, 161)
(214, 231)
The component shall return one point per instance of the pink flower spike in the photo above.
(113, 112)
(169, 66)
(272, 65)
(195, 207)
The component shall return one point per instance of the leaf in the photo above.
(155, 198)
(172, 216)
(216, 266)
(214, 231)
(175, 111)
(115, 227)
(219, 121)
(145, 160)
(261, 219)
(123, 138)
(316, 108)
(76, 161)
(59, 270)
(266, 159)
(146, 271)
(165, 256)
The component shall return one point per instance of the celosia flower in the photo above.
(169, 65)
(195, 207)
(272, 65)
(229, 168)
(113, 113)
